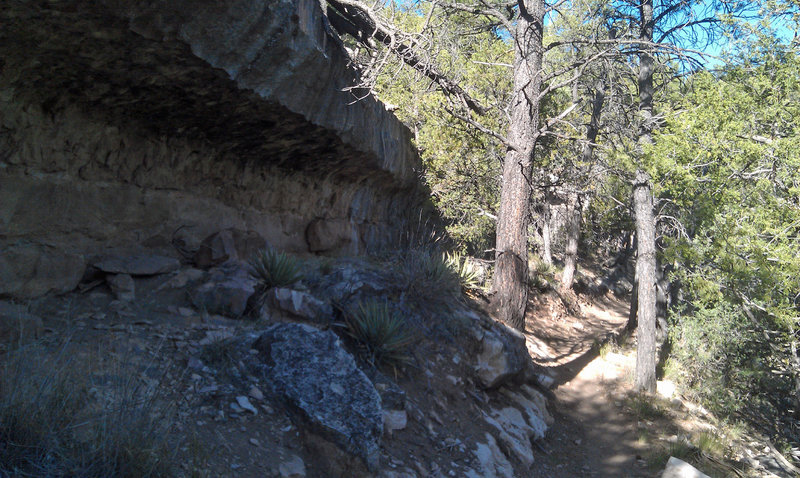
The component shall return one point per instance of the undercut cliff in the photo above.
(130, 126)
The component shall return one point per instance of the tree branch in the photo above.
(353, 18)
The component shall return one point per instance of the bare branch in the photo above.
(359, 21)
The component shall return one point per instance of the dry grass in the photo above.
(54, 422)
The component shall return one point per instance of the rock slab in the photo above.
(320, 380)
(137, 265)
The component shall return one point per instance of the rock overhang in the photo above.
(263, 81)
(126, 123)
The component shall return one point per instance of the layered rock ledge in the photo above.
(151, 124)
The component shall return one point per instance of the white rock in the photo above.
(293, 467)
(680, 469)
(493, 462)
(300, 304)
(515, 433)
(666, 388)
(541, 403)
(243, 402)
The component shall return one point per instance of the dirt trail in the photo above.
(592, 435)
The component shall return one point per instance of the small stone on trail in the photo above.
(246, 405)
(255, 442)
(255, 393)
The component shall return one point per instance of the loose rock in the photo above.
(680, 469)
(122, 286)
(300, 304)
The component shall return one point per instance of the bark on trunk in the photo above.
(646, 278)
(547, 234)
(510, 285)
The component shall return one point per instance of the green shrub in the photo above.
(426, 277)
(275, 269)
(466, 272)
(51, 424)
(380, 333)
(541, 275)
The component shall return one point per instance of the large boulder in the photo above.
(226, 293)
(30, 270)
(320, 380)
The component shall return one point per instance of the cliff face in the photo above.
(129, 125)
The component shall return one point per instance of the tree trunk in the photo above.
(547, 234)
(574, 206)
(510, 285)
(645, 221)
(646, 278)
(645, 80)
(573, 232)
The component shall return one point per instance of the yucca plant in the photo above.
(380, 333)
(467, 273)
(275, 269)
(541, 275)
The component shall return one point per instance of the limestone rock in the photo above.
(321, 381)
(300, 304)
(122, 286)
(228, 244)
(516, 433)
(17, 325)
(532, 403)
(30, 270)
(680, 469)
(137, 265)
(503, 355)
(493, 462)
